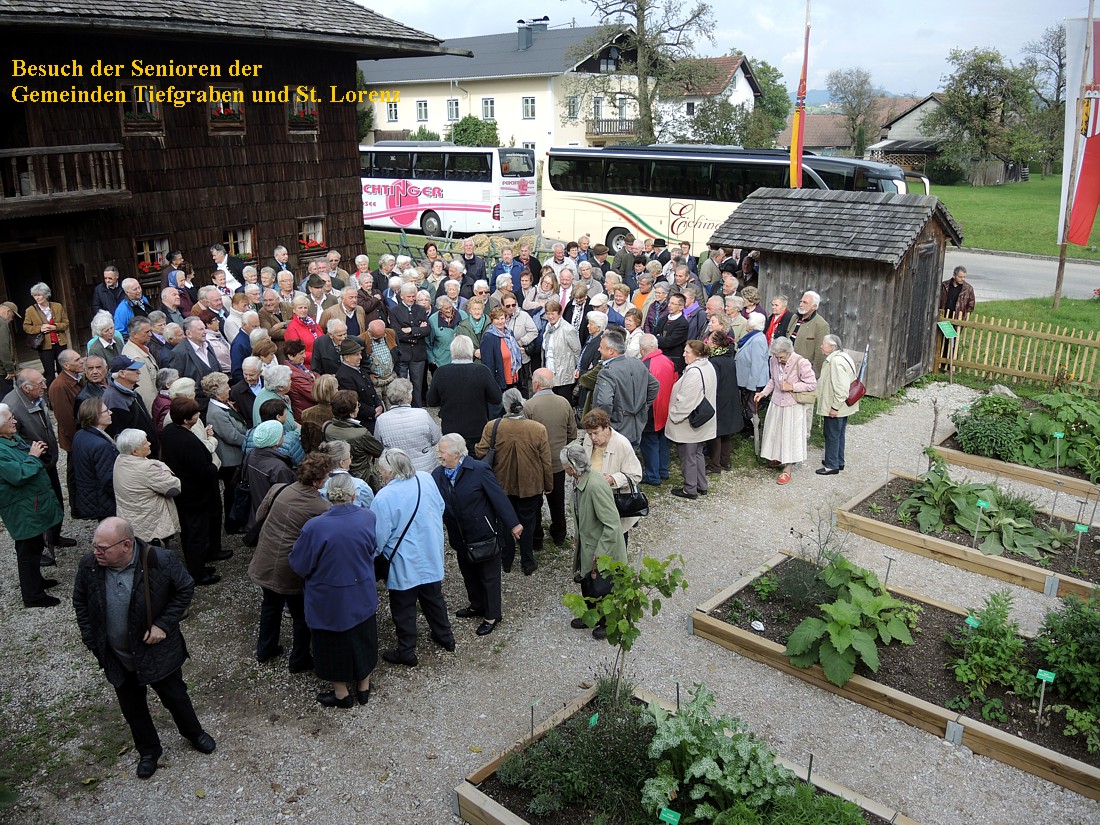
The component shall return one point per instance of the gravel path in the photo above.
(282, 757)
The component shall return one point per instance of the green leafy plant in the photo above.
(1069, 642)
(634, 592)
(1084, 723)
(991, 653)
(806, 807)
(736, 608)
(937, 498)
(709, 763)
(765, 586)
(989, 427)
(875, 507)
(862, 615)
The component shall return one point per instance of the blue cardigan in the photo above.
(419, 559)
(334, 555)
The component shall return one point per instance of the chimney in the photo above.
(527, 29)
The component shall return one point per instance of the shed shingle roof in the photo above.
(873, 226)
(338, 24)
(495, 55)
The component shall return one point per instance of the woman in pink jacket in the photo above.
(785, 427)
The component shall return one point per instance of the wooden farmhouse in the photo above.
(87, 179)
(876, 260)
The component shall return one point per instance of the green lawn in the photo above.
(1016, 217)
(1083, 315)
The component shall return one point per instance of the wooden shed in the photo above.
(876, 259)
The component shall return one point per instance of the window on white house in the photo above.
(452, 109)
(597, 107)
(689, 108)
(620, 105)
(391, 112)
(572, 107)
(488, 108)
(422, 110)
(528, 145)
(528, 108)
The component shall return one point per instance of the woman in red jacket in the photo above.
(302, 327)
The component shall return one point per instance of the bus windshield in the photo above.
(517, 163)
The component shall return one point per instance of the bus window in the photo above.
(625, 177)
(393, 164)
(471, 166)
(517, 164)
(759, 176)
(366, 164)
(576, 174)
(428, 166)
(834, 178)
(680, 179)
(734, 181)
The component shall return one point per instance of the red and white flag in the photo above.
(1082, 123)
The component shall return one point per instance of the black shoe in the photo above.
(304, 667)
(147, 765)
(448, 646)
(578, 624)
(560, 540)
(329, 699)
(278, 651)
(704, 492)
(204, 743)
(49, 583)
(825, 471)
(468, 613)
(713, 471)
(537, 544)
(394, 658)
(209, 570)
(599, 632)
(487, 627)
(221, 556)
(728, 465)
(64, 541)
(208, 579)
(506, 567)
(43, 601)
(47, 560)
(362, 696)
(680, 492)
(528, 569)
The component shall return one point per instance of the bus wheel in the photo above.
(616, 239)
(430, 224)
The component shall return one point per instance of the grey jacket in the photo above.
(8, 363)
(229, 429)
(34, 425)
(625, 389)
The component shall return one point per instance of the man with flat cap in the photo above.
(349, 377)
(9, 359)
(128, 410)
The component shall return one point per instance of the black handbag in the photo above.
(382, 561)
(252, 536)
(241, 508)
(704, 412)
(481, 551)
(35, 341)
(491, 454)
(596, 585)
(631, 503)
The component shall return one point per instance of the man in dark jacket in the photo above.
(128, 410)
(474, 267)
(410, 324)
(464, 392)
(956, 295)
(349, 376)
(108, 295)
(112, 584)
(672, 332)
(193, 357)
(326, 349)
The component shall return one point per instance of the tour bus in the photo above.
(680, 192)
(436, 186)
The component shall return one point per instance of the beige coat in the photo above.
(619, 462)
(522, 464)
(147, 380)
(143, 494)
(838, 371)
(687, 392)
(34, 318)
(556, 414)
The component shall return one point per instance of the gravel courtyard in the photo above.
(282, 757)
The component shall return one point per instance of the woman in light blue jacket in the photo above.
(752, 365)
(409, 510)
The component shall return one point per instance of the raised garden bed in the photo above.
(856, 516)
(708, 622)
(1069, 481)
(475, 806)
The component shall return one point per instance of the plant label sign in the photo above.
(983, 504)
(1081, 528)
(1045, 675)
(593, 720)
(973, 621)
(947, 329)
(669, 816)
(1059, 435)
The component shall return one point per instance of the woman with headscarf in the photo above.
(270, 569)
(785, 430)
(93, 456)
(334, 556)
(265, 466)
(501, 352)
(522, 465)
(598, 529)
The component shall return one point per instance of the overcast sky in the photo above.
(903, 45)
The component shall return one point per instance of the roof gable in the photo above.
(872, 226)
(724, 70)
(917, 103)
(340, 24)
(494, 56)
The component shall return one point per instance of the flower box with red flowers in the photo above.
(310, 243)
(303, 119)
(148, 267)
(227, 115)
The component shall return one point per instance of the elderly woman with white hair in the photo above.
(339, 455)
(48, 319)
(303, 327)
(598, 529)
(476, 510)
(409, 509)
(521, 462)
(444, 323)
(785, 430)
(504, 286)
(838, 371)
(185, 388)
(276, 385)
(752, 364)
(405, 427)
(229, 431)
(333, 555)
(145, 489)
(106, 342)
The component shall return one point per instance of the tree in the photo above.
(472, 131)
(424, 133)
(769, 115)
(716, 121)
(364, 114)
(852, 91)
(982, 102)
(1046, 65)
(653, 41)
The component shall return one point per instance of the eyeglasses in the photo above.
(98, 548)
(509, 306)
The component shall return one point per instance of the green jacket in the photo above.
(28, 505)
(469, 328)
(9, 363)
(439, 342)
(599, 532)
(808, 342)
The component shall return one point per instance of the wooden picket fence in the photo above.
(1015, 352)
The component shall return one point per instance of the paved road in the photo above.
(997, 277)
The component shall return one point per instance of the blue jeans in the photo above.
(835, 429)
(655, 456)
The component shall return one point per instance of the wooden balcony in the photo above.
(611, 127)
(47, 180)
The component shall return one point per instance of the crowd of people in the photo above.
(289, 408)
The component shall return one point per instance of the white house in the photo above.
(903, 142)
(519, 79)
(733, 80)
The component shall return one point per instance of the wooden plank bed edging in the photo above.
(476, 808)
(1070, 485)
(979, 737)
(1003, 568)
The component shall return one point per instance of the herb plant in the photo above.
(1069, 641)
(990, 427)
(990, 654)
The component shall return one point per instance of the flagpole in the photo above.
(1072, 188)
(799, 122)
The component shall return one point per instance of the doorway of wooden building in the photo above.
(21, 270)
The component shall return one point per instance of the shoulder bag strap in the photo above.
(703, 381)
(493, 437)
(401, 538)
(145, 584)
